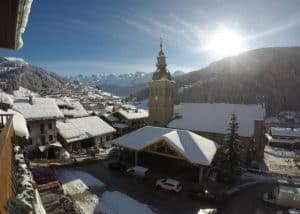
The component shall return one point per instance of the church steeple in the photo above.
(161, 92)
(161, 65)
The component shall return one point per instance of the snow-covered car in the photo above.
(138, 171)
(169, 184)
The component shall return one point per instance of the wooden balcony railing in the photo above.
(7, 169)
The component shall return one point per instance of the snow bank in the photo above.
(88, 203)
(74, 182)
(116, 202)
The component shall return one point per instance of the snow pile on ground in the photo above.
(76, 184)
(116, 202)
(279, 152)
(74, 181)
(88, 203)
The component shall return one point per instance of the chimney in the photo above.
(30, 99)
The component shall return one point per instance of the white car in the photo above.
(169, 184)
(138, 171)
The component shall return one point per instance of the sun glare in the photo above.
(225, 42)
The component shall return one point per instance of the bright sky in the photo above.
(121, 36)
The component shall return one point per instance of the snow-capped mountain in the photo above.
(121, 84)
(17, 72)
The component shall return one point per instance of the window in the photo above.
(107, 138)
(49, 125)
(50, 138)
(42, 128)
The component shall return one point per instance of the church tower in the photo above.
(161, 93)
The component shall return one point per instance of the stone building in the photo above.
(161, 97)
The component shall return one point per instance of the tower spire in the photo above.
(160, 45)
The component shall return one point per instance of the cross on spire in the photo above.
(160, 45)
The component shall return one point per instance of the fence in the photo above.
(7, 169)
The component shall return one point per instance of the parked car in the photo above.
(203, 194)
(138, 171)
(169, 184)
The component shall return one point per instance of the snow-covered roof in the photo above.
(19, 123)
(120, 125)
(83, 128)
(41, 108)
(285, 141)
(214, 117)
(195, 148)
(24, 92)
(110, 117)
(132, 114)
(288, 132)
(72, 108)
(6, 98)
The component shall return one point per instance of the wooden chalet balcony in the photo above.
(7, 163)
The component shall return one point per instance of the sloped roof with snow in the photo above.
(19, 123)
(41, 108)
(214, 117)
(6, 98)
(195, 148)
(132, 114)
(83, 128)
(288, 132)
(74, 108)
(110, 117)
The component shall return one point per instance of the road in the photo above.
(247, 201)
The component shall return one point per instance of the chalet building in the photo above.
(170, 150)
(84, 132)
(287, 138)
(133, 118)
(207, 119)
(13, 20)
(121, 128)
(211, 120)
(41, 115)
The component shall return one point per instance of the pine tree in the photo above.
(228, 163)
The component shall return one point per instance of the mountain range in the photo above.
(15, 72)
(119, 84)
(268, 75)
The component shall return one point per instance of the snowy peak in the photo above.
(16, 60)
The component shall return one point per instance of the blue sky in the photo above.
(121, 36)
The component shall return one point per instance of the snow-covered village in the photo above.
(147, 131)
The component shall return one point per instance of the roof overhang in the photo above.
(13, 20)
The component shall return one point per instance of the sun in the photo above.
(225, 42)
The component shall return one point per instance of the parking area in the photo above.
(143, 190)
(161, 201)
